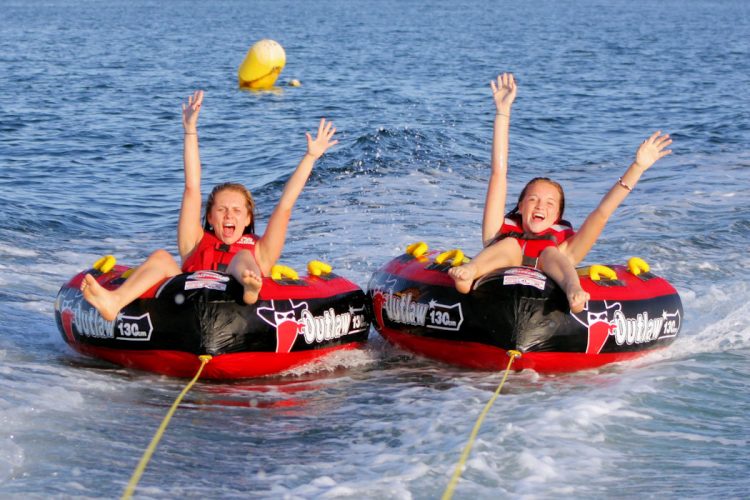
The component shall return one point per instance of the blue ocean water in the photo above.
(90, 163)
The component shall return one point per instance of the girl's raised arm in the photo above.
(504, 93)
(270, 245)
(650, 151)
(189, 228)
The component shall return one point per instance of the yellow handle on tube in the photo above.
(456, 254)
(597, 271)
(417, 249)
(105, 264)
(278, 272)
(636, 266)
(317, 268)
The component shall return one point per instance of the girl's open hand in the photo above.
(652, 149)
(504, 92)
(191, 110)
(316, 147)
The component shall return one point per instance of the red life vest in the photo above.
(213, 254)
(532, 244)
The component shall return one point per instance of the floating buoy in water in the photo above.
(262, 65)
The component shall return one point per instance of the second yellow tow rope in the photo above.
(465, 455)
(160, 432)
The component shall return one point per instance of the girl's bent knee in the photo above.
(160, 255)
(550, 252)
(244, 257)
(164, 260)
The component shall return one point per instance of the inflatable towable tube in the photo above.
(417, 308)
(295, 321)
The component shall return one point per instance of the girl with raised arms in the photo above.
(226, 241)
(534, 232)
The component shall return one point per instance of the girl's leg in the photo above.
(558, 267)
(159, 266)
(245, 270)
(504, 253)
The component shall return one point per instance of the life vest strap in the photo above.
(530, 261)
(522, 236)
(222, 263)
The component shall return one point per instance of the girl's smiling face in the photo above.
(540, 207)
(229, 215)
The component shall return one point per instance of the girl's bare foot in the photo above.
(102, 299)
(463, 276)
(577, 299)
(252, 284)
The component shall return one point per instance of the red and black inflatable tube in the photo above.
(164, 331)
(416, 306)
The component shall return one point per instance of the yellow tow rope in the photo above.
(160, 432)
(448, 494)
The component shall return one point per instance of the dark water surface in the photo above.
(90, 163)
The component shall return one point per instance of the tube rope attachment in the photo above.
(448, 494)
(128, 493)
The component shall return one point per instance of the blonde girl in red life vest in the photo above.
(226, 242)
(534, 233)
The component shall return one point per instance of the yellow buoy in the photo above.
(262, 65)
